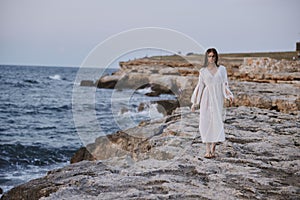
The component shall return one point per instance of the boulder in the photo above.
(108, 81)
(133, 81)
(87, 83)
(166, 107)
(82, 154)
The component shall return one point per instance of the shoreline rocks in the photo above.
(255, 81)
(280, 97)
(267, 70)
(164, 159)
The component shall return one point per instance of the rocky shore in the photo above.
(163, 158)
(256, 82)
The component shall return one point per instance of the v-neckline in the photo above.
(213, 75)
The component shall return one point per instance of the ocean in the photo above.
(38, 129)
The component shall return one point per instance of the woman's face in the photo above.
(211, 57)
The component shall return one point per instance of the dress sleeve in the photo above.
(226, 91)
(196, 96)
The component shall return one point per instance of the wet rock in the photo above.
(108, 81)
(87, 83)
(123, 110)
(141, 107)
(167, 106)
(161, 88)
(82, 154)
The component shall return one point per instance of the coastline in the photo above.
(261, 82)
(258, 160)
(263, 119)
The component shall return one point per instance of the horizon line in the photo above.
(78, 66)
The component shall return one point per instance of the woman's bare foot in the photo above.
(208, 155)
(210, 150)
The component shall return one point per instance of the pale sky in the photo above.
(63, 32)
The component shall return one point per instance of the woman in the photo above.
(209, 93)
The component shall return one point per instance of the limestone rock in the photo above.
(163, 159)
(255, 81)
(267, 70)
(280, 97)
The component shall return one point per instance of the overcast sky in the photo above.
(63, 32)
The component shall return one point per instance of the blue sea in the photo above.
(38, 129)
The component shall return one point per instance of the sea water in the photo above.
(38, 132)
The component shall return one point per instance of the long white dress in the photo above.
(210, 93)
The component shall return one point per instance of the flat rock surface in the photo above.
(260, 159)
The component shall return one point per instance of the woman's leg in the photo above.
(213, 149)
(208, 153)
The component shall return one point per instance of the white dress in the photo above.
(210, 93)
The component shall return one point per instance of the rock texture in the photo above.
(87, 83)
(281, 97)
(163, 159)
(179, 75)
(267, 70)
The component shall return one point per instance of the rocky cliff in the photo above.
(278, 89)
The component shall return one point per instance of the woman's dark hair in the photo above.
(206, 56)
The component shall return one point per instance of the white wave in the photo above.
(153, 112)
(150, 111)
(128, 117)
(55, 77)
(145, 90)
